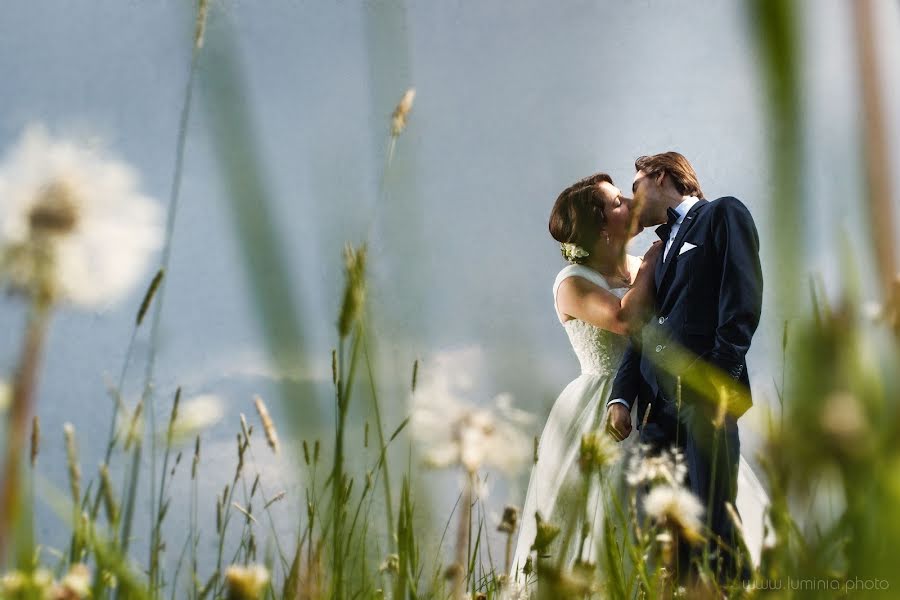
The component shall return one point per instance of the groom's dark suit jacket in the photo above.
(708, 303)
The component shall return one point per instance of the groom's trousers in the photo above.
(711, 454)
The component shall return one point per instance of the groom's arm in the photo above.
(624, 390)
(740, 286)
(628, 377)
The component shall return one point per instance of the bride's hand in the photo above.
(653, 252)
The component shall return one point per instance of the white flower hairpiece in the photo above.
(573, 251)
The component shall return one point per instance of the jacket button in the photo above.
(659, 348)
(662, 320)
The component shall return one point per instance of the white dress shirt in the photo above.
(687, 203)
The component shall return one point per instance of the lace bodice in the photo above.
(599, 351)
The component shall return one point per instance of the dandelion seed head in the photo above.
(667, 466)
(872, 311)
(72, 222)
(17, 583)
(597, 451)
(504, 405)
(456, 432)
(246, 582)
(843, 419)
(13, 582)
(391, 564)
(676, 507)
(513, 590)
(196, 415)
(55, 211)
(473, 439)
(510, 520)
(77, 581)
(545, 534)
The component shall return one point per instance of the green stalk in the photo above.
(774, 24)
(161, 506)
(337, 480)
(383, 459)
(572, 524)
(147, 395)
(337, 483)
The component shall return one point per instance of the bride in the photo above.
(601, 297)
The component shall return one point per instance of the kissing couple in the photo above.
(662, 343)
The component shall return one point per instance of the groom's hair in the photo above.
(676, 167)
(578, 213)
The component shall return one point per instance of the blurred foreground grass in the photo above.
(837, 435)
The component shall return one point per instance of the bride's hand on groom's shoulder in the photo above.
(653, 252)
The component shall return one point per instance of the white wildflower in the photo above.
(73, 225)
(246, 583)
(13, 582)
(504, 404)
(197, 414)
(843, 416)
(77, 581)
(455, 432)
(42, 578)
(391, 564)
(844, 420)
(472, 437)
(872, 311)
(677, 508)
(18, 584)
(597, 451)
(667, 466)
(513, 590)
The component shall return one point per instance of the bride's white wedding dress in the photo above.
(556, 485)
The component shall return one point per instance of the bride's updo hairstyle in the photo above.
(578, 215)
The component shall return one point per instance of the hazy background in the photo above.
(515, 100)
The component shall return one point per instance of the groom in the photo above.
(687, 371)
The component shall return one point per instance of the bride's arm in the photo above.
(583, 300)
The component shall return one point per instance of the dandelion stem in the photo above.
(462, 538)
(23, 396)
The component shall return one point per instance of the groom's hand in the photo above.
(619, 422)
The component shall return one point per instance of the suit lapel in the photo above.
(686, 224)
(658, 271)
